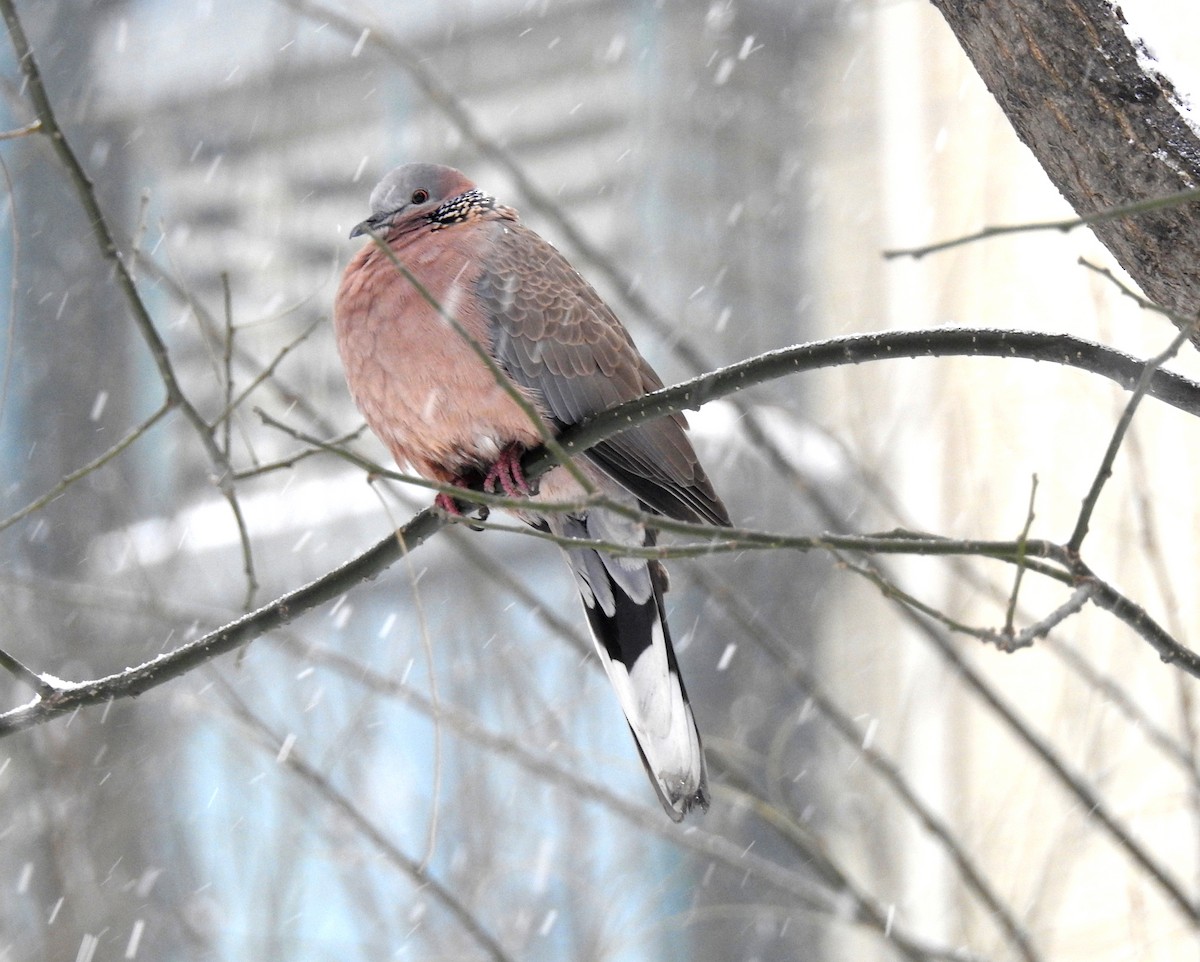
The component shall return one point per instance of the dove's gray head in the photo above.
(421, 194)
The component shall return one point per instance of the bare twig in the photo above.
(67, 480)
(110, 251)
(139, 233)
(1009, 641)
(1016, 589)
(893, 592)
(247, 547)
(733, 856)
(227, 364)
(857, 348)
(1063, 226)
(1074, 783)
(302, 455)
(33, 127)
(21, 672)
(264, 374)
(764, 636)
(1137, 618)
(208, 323)
(10, 333)
(1104, 472)
(418, 873)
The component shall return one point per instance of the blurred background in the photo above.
(433, 767)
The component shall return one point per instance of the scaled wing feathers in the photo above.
(554, 335)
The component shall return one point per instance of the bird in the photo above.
(451, 279)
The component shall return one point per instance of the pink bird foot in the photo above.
(508, 474)
(452, 507)
(447, 503)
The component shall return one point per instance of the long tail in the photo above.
(623, 601)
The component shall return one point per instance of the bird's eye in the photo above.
(420, 196)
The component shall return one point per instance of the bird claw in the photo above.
(447, 503)
(505, 474)
(454, 509)
(508, 474)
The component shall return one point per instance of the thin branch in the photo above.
(1143, 302)
(714, 539)
(110, 251)
(1040, 629)
(1064, 226)
(227, 364)
(725, 540)
(1006, 639)
(1011, 611)
(303, 455)
(10, 334)
(1137, 618)
(1117, 366)
(244, 541)
(714, 847)
(893, 592)
(296, 398)
(139, 233)
(782, 653)
(33, 127)
(23, 673)
(265, 373)
(418, 873)
(1104, 472)
(67, 480)
(774, 364)
(1071, 781)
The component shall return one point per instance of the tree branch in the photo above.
(1064, 226)
(1071, 781)
(1121, 368)
(110, 251)
(853, 736)
(344, 806)
(1062, 349)
(67, 480)
(1107, 133)
(851, 905)
(1104, 472)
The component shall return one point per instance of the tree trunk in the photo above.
(1107, 129)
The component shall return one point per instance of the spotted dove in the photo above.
(429, 396)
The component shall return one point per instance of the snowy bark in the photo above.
(1103, 123)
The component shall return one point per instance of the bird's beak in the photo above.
(376, 222)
